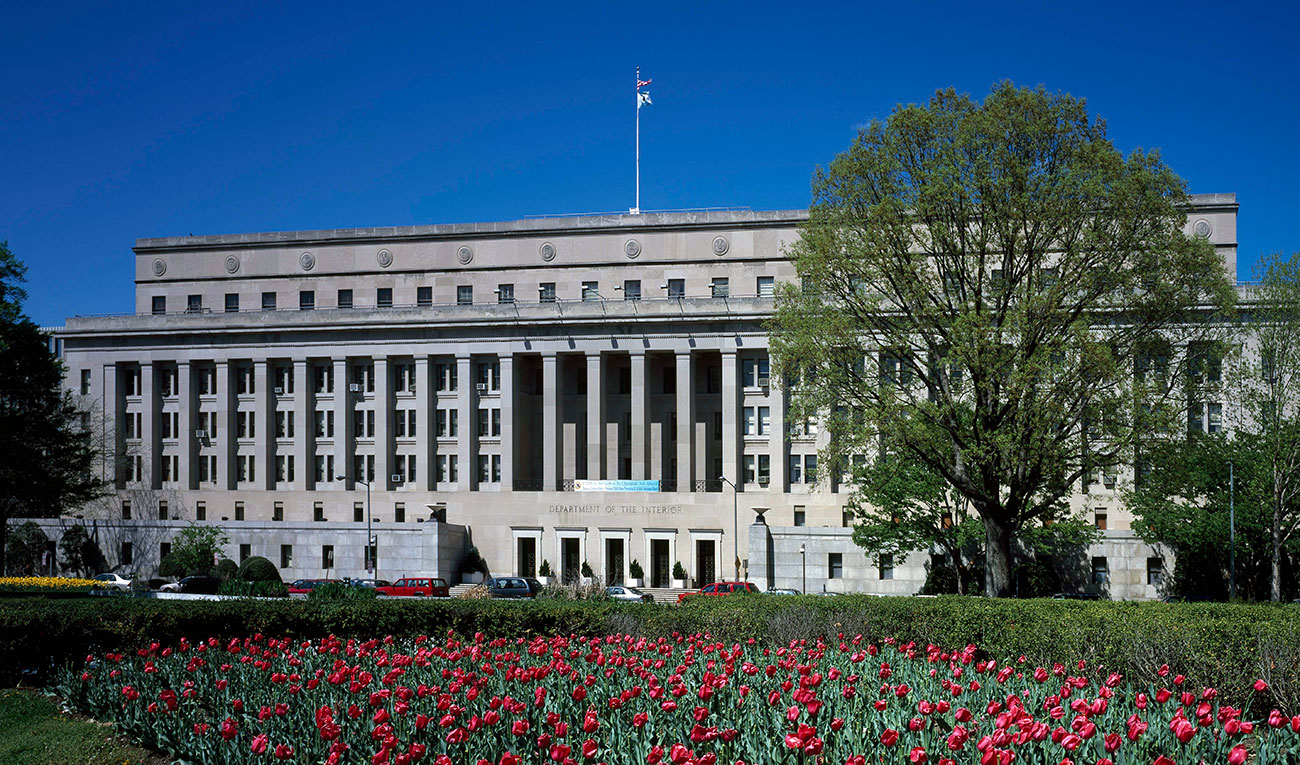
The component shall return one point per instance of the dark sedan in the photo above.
(513, 587)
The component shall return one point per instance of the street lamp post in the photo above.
(804, 560)
(371, 566)
(735, 524)
(1232, 536)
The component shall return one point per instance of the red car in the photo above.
(721, 588)
(418, 586)
(305, 586)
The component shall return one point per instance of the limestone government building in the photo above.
(568, 390)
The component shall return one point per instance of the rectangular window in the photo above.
(676, 288)
(239, 516)
(766, 286)
(384, 297)
(764, 469)
(484, 422)
(399, 513)
(286, 556)
(442, 468)
(1100, 571)
(200, 511)
(358, 512)
(345, 299)
(484, 468)
(810, 468)
(327, 557)
(751, 421)
(465, 295)
(505, 293)
(755, 373)
(268, 301)
(318, 512)
(277, 511)
(1155, 571)
(835, 565)
(244, 382)
(85, 382)
(159, 305)
(749, 476)
(306, 300)
(632, 289)
(717, 426)
(245, 552)
(324, 378)
(546, 292)
(496, 468)
(800, 516)
(591, 290)
(194, 304)
(232, 302)
(424, 296)
(1100, 521)
(796, 468)
(453, 468)
(126, 509)
(127, 553)
(404, 378)
(885, 566)
(719, 287)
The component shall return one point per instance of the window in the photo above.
(245, 552)
(546, 292)
(835, 566)
(591, 290)
(489, 375)
(810, 468)
(424, 296)
(632, 289)
(505, 293)
(284, 468)
(127, 553)
(200, 511)
(764, 469)
(766, 286)
(796, 468)
(327, 556)
(239, 516)
(306, 300)
(126, 509)
(324, 423)
(245, 424)
(445, 377)
(384, 297)
(496, 468)
(800, 516)
(194, 304)
(446, 423)
(268, 301)
(1204, 417)
(323, 377)
(465, 295)
(324, 468)
(1100, 571)
(345, 299)
(404, 378)
(755, 372)
(1099, 520)
(358, 512)
(717, 426)
(277, 511)
(719, 288)
(885, 566)
(283, 380)
(318, 512)
(85, 382)
(1155, 571)
(676, 288)
(232, 302)
(207, 381)
(442, 468)
(244, 383)
(286, 556)
(364, 376)
(159, 305)
(483, 469)
(247, 468)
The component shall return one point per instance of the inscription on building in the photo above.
(616, 509)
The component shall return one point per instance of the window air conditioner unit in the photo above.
(764, 481)
(279, 391)
(396, 477)
(354, 387)
(763, 381)
(200, 434)
(480, 386)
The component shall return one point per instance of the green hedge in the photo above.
(1226, 646)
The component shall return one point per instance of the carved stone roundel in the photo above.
(159, 268)
(721, 245)
(548, 251)
(307, 261)
(232, 264)
(385, 258)
(464, 255)
(1202, 228)
(632, 247)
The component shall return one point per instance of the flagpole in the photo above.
(637, 209)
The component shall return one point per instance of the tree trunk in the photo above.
(4, 544)
(997, 558)
(1275, 587)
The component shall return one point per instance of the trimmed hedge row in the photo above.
(1225, 646)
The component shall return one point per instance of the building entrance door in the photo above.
(527, 557)
(570, 565)
(706, 560)
(613, 561)
(660, 566)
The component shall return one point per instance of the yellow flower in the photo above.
(46, 583)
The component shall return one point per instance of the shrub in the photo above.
(545, 569)
(942, 580)
(679, 571)
(635, 571)
(473, 562)
(586, 570)
(227, 569)
(341, 591)
(262, 589)
(258, 569)
(1036, 579)
(170, 566)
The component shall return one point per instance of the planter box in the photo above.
(474, 578)
(633, 581)
(679, 584)
(545, 580)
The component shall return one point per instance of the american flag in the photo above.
(642, 83)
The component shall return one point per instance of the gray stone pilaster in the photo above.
(304, 429)
(685, 420)
(264, 427)
(150, 443)
(468, 437)
(777, 441)
(640, 417)
(508, 388)
(730, 417)
(552, 402)
(425, 408)
(111, 441)
(383, 406)
(595, 416)
(188, 445)
(225, 441)
(344, 400)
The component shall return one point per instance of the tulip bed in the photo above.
(681, 700)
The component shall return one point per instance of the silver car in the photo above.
(623, 592)
(114, 581)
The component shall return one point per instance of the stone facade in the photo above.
(485, 373)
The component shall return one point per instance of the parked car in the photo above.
(1077, 596)
(623, 592)
(372, 584)
(114, 581)
(417, 586)
(721, 588)
(783, 591)
(199, 584)
(513, 587)
(305, 586)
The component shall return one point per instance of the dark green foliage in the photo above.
(941, 580)
(170, 566)
(24, 549)
(586, 570)
(473, 562)
(261, 589)
(196, 547)
(634, 569)
(1036, 579)
(227, 569)
(80, 553)
(679, 571)
(545, 568)
(258, 569)
(341, 591)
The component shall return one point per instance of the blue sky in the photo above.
(130, 120)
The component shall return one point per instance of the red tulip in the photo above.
(917, 755)
(259, 744)
(889, 737)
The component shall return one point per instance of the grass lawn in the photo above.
(33, 731)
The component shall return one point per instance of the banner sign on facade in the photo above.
(586, 485)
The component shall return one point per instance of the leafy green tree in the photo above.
(25, 549)
(196, 549)
(1269, 391)
(1183, 504)
(80, 553)
(46, 456)
(979, 283)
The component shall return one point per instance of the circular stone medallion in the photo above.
(1202, 228)
(232, 264)
(632, 248)
(548, 251)
(385, 258)
(721, 245)
(159, 268)
(464, 255)
(307, 261)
